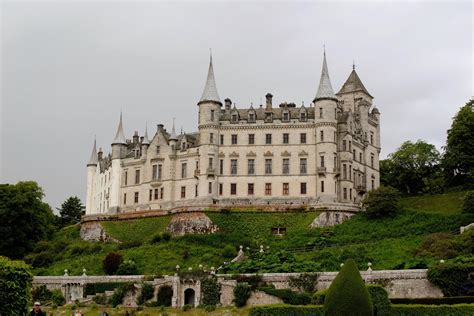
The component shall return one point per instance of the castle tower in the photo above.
(325, 105)
(209, 115)
(91, 172)
(119, 147)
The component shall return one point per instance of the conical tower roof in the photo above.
(93, 160)
(353, 84)
(210, 90)
(325, 88)
(119, 136)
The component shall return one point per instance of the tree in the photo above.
(413, 168)
(347, 294)
(458, 160)
(25, 219)
(381, 202)
(71, 211)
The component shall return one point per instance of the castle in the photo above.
(322, 156)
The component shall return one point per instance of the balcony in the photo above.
(321, 170)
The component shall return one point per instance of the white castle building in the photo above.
(325, 155)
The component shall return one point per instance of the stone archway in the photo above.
(189, 297)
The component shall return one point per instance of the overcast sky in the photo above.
(69, 67)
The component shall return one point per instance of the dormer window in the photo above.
(286, 117)
(235, 118)
(251, 117)
(303, 116)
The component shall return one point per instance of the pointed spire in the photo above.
(210, 90)
(353, 84)
(325, 89)
(173, 133)
(93, 160)
(119, 136)
(146, 141)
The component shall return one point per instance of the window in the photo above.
(221, 188)
(371, 138)
(251, 139)
(286, 117)
(286, 188)
(150, 195)
(303, 188)
(221, 166)
(125, 176)
(344, 171)
(211, 138)
(250, 189)
(303, 116)
(233, 188)
(268, 166)
(157, 150)
(183, 169)
(251, 166)
(154, 173)
(211, 163)
(212, 115)
(286, 138)
(320, 112)
(322, 186)
(183, 192)
(234, 139)
(344, 145)
(286, 166)
(222, 139)
(162, 193)
(233, 166)
(321, 136)
(372, 160)
(251, 117)
(156, 194)
(235, 118)
(210, 188)
(322, 161)
(303, 138)
(136, 197)
(137, 176)
(268, 139)
(303, 164)
(268, 189)
(124, 198)
(344, 193)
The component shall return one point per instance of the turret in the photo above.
(91, 172)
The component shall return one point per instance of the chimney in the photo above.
(228, 103)
(135, 137)
(269, 97)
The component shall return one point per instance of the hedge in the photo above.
(435, 301)
(288, 296)
(433, 310)
(15, 287)
(101, 287)
(286, 310)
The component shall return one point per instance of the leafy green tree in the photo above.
(71, 211)
(25, 218)
(381, 202)
(458, 160)
(413, 168)
(347, 294)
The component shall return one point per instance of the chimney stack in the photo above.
(269, 97)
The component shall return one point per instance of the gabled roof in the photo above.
(325, 90)
(353, 84)
(119, 136)
(210, 90)
(93, 160)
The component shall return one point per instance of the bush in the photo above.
(210, 290)
(241, 294)
(164, 296)
(379, 299)
(155, 239)
(111, 262)
(450, 276)
(15, 287)
(286, 310)
(347, 294)
(166, 236)
(381, 202)
(128, 267)
(229, 251)
(468, 205)
(319, 297)
(433, 310)
(288, 296)
(146, 293)
(305, 282)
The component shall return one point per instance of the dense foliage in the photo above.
(164, 295)
(380, 300)
(112, 262)
(15, 287)
(451, 275)
(468, 205)
(25, 218)
(381, 202)
(242, 293)
(210, 291)
(347, 294)
(71, 211)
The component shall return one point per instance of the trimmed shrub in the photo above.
(241, 294)
(433, 310)
(15, 287)
(288, 296)
(379, 299)
(146, 293)
(435, 301)
(468, 205)
(210, 290)
(319, 297)
(164, 296)
(305, 282)
(111, 262)
(381, 202)
(286, 310)
(450, 277)
(347, 294)
(128, 267)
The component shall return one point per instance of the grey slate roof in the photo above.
(93, 160)
(210, 90)
(325, 90)
(353, 84)
(119, 136)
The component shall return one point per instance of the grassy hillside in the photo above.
(388, 243)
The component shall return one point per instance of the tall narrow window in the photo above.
(321, 136)
(137, 176)
(322, 186)
(221, 166)
(154, 173)
(286, 166)
(183, 170)
(251, 166)
(233, 166)
(303, 138)
(268, 166)
(268, 189)
(286, 188)
(222, 139)
(286, 138)
(251, 139)
(303, 166)
(221, 188)
(303, 188)
(233, 189)
(234, 139)
(183, 192)
(136, 197)
(268, 139)
(250, 189)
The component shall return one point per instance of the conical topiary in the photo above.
(347, 294)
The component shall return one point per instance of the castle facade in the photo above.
(325, 155)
